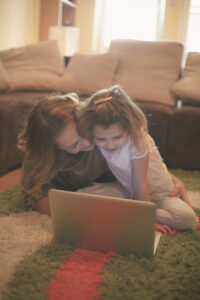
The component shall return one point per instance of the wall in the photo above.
(85, 22)
(19, 22)
(20, 19)
(173, 10)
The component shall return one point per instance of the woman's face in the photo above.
(70, 141)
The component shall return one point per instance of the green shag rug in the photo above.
(191, 179)
(12, 200)
(172, 274)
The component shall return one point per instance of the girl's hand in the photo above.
(164, 229)
(179, 190)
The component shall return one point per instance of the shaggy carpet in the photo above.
(33, 266)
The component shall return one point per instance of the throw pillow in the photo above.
(188, 87)
(4, 80)
(87, 73)
(33, 67)
(147, 70)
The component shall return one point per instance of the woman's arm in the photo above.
(27, 180)
(139, 177)
(179, 189)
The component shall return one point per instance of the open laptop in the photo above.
(104, 223)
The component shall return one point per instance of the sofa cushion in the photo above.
(33, 67)
(4, 80)
(87, 73)
(147, 70)
(188, 87)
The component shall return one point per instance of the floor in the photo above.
(10, 179)
(13, 177)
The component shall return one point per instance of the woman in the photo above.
(54, 154)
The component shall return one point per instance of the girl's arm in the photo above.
(139, 177)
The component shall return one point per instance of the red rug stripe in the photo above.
(78, 277)
(198, 225)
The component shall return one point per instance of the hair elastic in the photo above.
(101, 100)
(71, 96)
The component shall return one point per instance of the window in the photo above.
(193, 40)
(129, 19)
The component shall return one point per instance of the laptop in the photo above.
(104, 223)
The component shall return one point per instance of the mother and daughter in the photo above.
(72, 145)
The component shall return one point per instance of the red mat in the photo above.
(78, 277)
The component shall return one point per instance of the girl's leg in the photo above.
(176, 213)
(113, 189)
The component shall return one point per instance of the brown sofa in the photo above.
(148, 71)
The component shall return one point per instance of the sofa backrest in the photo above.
(147, 70)
(187, 87)
(33, 67)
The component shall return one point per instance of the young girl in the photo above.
(119, 129)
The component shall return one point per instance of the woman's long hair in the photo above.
(111, 106)
(37, 140)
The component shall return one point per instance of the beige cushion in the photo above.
(4, 79)
(33, 67)
(188, 87)
(147, 70)
(87, 73)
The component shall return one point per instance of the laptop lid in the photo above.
(103, 223)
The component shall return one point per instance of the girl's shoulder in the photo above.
(145, 145)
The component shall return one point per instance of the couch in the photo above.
(150, 72)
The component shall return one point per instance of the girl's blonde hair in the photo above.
(111, 106)
(37, 140)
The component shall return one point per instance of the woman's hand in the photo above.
(164, 229)
(179, 190)
(43, 206)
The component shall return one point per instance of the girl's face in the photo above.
(111, 138)
(70, 141)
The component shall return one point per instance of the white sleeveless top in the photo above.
(158, 179)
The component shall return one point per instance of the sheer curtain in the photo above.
(193, 36)
(129, 19)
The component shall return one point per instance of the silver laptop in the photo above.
(104, 223)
